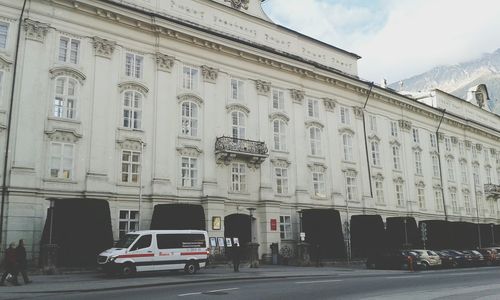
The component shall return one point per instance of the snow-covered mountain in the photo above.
(457, 79)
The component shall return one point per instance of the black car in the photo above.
(447, 261)
(477, 259)
(392, 259)
(462, 259)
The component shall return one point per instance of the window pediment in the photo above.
(5, 63)
(465, 191)
(399, 180)
(189, 150)
(280, 162)
(378, 177)
(314, 124)
(434, 152)
(131, 144)
(436, 186)
(63, 135)
(279, 116)
(190, 97)
(462, 161)
(449, 156)
(317, 167)
(346, 130)
(395, 143)
(132, 85)
(67, 71)
(374, 138)
(236, 106)
(420, 184)
(350, 172)
(452, 189)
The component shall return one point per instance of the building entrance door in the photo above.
(239, 226)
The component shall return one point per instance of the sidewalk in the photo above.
(93, 281)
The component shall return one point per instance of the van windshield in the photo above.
(126, 241)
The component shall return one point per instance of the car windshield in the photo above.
(126, 241)
(432, 253)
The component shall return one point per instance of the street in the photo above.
(473, 283)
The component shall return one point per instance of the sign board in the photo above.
(274, 225)
(302, 236)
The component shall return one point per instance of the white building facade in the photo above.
(208, 103)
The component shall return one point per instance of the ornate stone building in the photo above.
(207, 105)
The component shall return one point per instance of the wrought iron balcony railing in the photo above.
(492, 190)
(228, 148)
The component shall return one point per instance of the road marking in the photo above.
(318, 281)
(189, 294)
(223, 290)
(402, 277)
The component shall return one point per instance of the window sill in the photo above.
(377, 167)
(59, 180)
(243, 193)
(381, 204)
(281, 151)
(189, 188)
(187, 137)
(282, 195)
(350, 162)
(128, 184)
(397, 171)
(57, 119)
(316, 156)
(130, 129)
(314, 197)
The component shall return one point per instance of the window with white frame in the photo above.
(313, 108)
(373, 123)
(498, 175)
(278, 99)
(433, 140)
(375, 153)
(447, 143)
(396, 158)
(435, 165)
(464, 171)
(281, 180)
(285, 228)
(190, 78)
(69, 50)
(418, 162)
(318, 180)
(134, 65)
(486, 155)
(238, 124)
(421, 197)
(461, 148)
(379, 192)
(474, 152)
(487, 170)
(237, 89)
(131, 166)
(438, 198)
(493, 207)
(467, 205)
(239, 177)
(454, 201)
(345, 115)
(132, 110)
(399, 193)
(189, 118)
(189, 171)
(394, 129)
(279, 134)
(451, 169)
(347, 143)
(1, 83)
(128, 221)
(415, 135)
(351, 186)
(65, 98)
(475, 175)
(61, 160)
(4, 30)
(479, 200)
(315, 140)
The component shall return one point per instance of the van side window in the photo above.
(143, 242)
(174, 241)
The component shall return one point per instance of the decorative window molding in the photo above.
(35, 30)
(263, 87)
(434, 152)
(452, 189)
(317, 167)
(441, 136)
(479, 147)
(238, 107)
(449, 156)
(279, 116)
(405, 125)
(297, 96)
(134, 86)
(189, 150)
(399, 180)
(329, 104)
(395, 143)
(238, 4)
(462, 160)
(63, 135)
(493, 151)
(67, 71)
(281, 162)
(346, 130)
(209, 74)
(454, 140)
(315, 124)
(420, 184)
(190, 97)
(465, 191)
(133, 144)
(5, 63)
(165, 62)
(416, 148)
(468, 143)
(378, 176)
(103, 47)
(374, 137)
(358, 112)
(436, 186)
(350, 172)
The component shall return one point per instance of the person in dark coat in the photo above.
(22, 263)
(236, 257)
(10, 264)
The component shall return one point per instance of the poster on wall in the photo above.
(236, 242)
(274, 224)
(221, 241)
(228, 242)
(213, 242)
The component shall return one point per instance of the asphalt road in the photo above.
(477, 283)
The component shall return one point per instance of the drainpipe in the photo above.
(440, 166)
(9, 122)
(366, 142)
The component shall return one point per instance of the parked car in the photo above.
(462, 260)
(392, 259)
(477, 259)
(447, 260)
(490, 256)
(495, 252)
(427, 259)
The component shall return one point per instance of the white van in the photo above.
(155, 250)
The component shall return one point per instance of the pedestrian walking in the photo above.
(236, 257)
(10, 264)
(22, 263)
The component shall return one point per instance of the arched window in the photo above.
(238, 125)
(279, 131)
(132, 109)
(65, 98)
(189, 111)
(347, 142)
(315, 140)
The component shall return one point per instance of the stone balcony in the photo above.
(492, 191)
(228, 149)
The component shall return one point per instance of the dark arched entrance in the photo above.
(178, 216)
(239, 226)
(402, 232)
(323, 231)
(367, 234)
(81, 228)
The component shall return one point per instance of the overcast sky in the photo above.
(396, 38)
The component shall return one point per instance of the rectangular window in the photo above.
(281, 177)
(399, 194)
(487, 170)
(467, 204)
(375, 153)
(345, 115)
(416, 138)
(190, 78)
(438, 197)
(475, 175)
(464, 172)
(418, 162)
(61, 160)
(1, 83)
(373, 123)
(474, 152)
(4, 30)
(134, 65)
(318, 179)
(396, 159)
(447, 143)
(379, 191)
(237, 89)
(313, 108)
(451, 169)
(461, 149)
(315, 140)
(285, 227)
(278, 99)
(351, 190)
(69, 50)
(432, 139)
(454, 203)
(238, 177)
(189, 171)
(131, 163)
(128, 221)
(486, 155)
(421, 198)
(394, 129)
(435, 166)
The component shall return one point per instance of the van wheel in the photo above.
(128, 269)
(425, 266)
(191, 268)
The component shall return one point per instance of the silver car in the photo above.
(427, 259)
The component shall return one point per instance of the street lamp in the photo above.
(406, 233)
